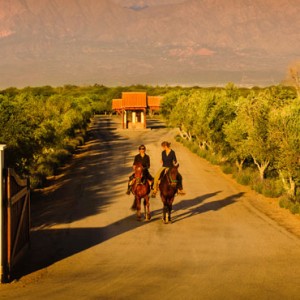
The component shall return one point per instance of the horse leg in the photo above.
(133, 206)
(145, 212)
(165, 214)
(170, 206)
(147, 208)
(169, 212)
(138, 208)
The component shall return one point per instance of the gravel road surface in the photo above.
(225, 242)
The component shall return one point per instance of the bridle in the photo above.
(139, 174)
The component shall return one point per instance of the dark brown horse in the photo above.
(141, 190)
(168, 189)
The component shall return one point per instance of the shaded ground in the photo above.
(226, 242)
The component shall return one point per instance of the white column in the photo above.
(1, 208)
(125, 119)
(133, 117)
(142, 118)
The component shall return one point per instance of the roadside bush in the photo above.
(295, 208)
(72, 143)
(194, 147)
(272, 188)
(245, 177)
(227, 168)
(292, 206)
(284, 202)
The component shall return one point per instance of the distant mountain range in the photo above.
(157, 42)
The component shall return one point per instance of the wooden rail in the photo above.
(17, 220)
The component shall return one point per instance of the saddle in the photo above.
(143, 181)
(163, 173)
(171, 181)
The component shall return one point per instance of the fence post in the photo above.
(2, 236)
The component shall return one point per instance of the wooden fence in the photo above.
(16, 221)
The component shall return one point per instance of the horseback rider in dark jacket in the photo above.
(144, 159)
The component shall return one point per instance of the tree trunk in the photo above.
(182, 133)
(289, 184)
(261, 167)
(239, 164)
(292, 190)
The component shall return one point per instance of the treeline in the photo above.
(252, 133)
(42, 126)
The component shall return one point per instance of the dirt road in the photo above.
(226, 242)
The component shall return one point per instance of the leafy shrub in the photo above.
(227, 168)
(284, 202)
(272, 188)
(292, 206)
(295, 208)
(245, 177)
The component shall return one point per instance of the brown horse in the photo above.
(141, 190)
(168, 189)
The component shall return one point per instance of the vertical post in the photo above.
(133, 117)
(124, 119)
(144, 117)
(2, 236)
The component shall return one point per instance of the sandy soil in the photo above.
(225, 242)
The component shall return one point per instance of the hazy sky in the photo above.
(121, 42)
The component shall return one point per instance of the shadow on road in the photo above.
(194, 206)
(184, 204)
(52, 245)
(49, 246)
(82, 186)
(155, 124)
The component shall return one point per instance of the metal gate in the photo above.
(16, 221)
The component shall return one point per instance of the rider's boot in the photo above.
(130, 183)
(129, 187)
(128, 190)
(180, 190)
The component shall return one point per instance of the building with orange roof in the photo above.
(133, 107)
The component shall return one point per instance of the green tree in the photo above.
(256, 112)
(236, 134)
(169, 102)
(285, 133)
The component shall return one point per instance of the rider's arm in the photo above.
(147, 161)
(174, 159)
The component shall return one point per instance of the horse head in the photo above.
(138, 172)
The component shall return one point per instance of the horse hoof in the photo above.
(164, 221)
